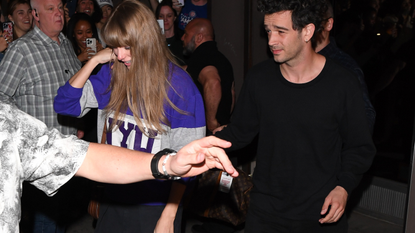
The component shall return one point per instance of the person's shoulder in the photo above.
(339, 73)
(180, 81)
(24, 43)
(179, 76)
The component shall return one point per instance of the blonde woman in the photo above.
(147, 103)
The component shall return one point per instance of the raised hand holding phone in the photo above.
(91, 43)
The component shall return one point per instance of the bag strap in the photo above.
(212, 197)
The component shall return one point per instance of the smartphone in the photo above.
(8, 29)
(161, 24)
(92, 43)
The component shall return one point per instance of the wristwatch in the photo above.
(155, 162)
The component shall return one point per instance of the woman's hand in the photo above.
(84, 56)
(4, 42)
(164, 225)
(66, 13)
(104, 56)
(177, 6)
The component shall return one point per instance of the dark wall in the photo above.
(239, 34)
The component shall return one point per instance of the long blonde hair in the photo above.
(144, 87)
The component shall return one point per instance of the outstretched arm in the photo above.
(110, 164)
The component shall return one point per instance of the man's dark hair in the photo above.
(303, 12)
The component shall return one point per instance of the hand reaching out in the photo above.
(200, 156)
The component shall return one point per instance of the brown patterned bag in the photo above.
(208, 201)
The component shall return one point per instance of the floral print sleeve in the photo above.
(30, 151)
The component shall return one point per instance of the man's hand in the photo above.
(337, 199)
(200, 156)
(219, 129)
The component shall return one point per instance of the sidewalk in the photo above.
(358, 223)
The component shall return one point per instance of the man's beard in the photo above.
(189, 48)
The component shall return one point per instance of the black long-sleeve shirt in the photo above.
(333, 52)
(312, 138)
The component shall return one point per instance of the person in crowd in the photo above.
(314, 141)
(106, 8)
(192, 9)
(31, 72)
(166, 12)
(20, 14)
(4, 39)
(145, 102)
(213, 75)
(81, 27)
(211, 71)
(89, 7)
(327, 47)
(4, 44)
(151, 4)
(48, 159)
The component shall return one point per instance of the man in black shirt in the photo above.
(314, 141)
(326, 46)
(211, 71)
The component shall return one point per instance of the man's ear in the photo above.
(10, 17)
(35, 15)
(329, 24)
(198, 38)
(308, 32)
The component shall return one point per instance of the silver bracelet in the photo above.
(164, 167)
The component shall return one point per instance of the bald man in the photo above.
(31, 72)
(211, 71)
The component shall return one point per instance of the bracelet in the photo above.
(164, 167)
(155, 162)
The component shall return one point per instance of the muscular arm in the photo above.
(212, 94)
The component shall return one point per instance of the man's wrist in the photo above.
(160, 166)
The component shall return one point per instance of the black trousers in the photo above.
(257, 224)
(132, 218)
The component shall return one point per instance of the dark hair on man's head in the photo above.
(303, 12)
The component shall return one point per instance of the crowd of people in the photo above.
(311, 107)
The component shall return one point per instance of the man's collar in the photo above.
(46, 39)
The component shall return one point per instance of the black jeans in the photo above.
(257, 224)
